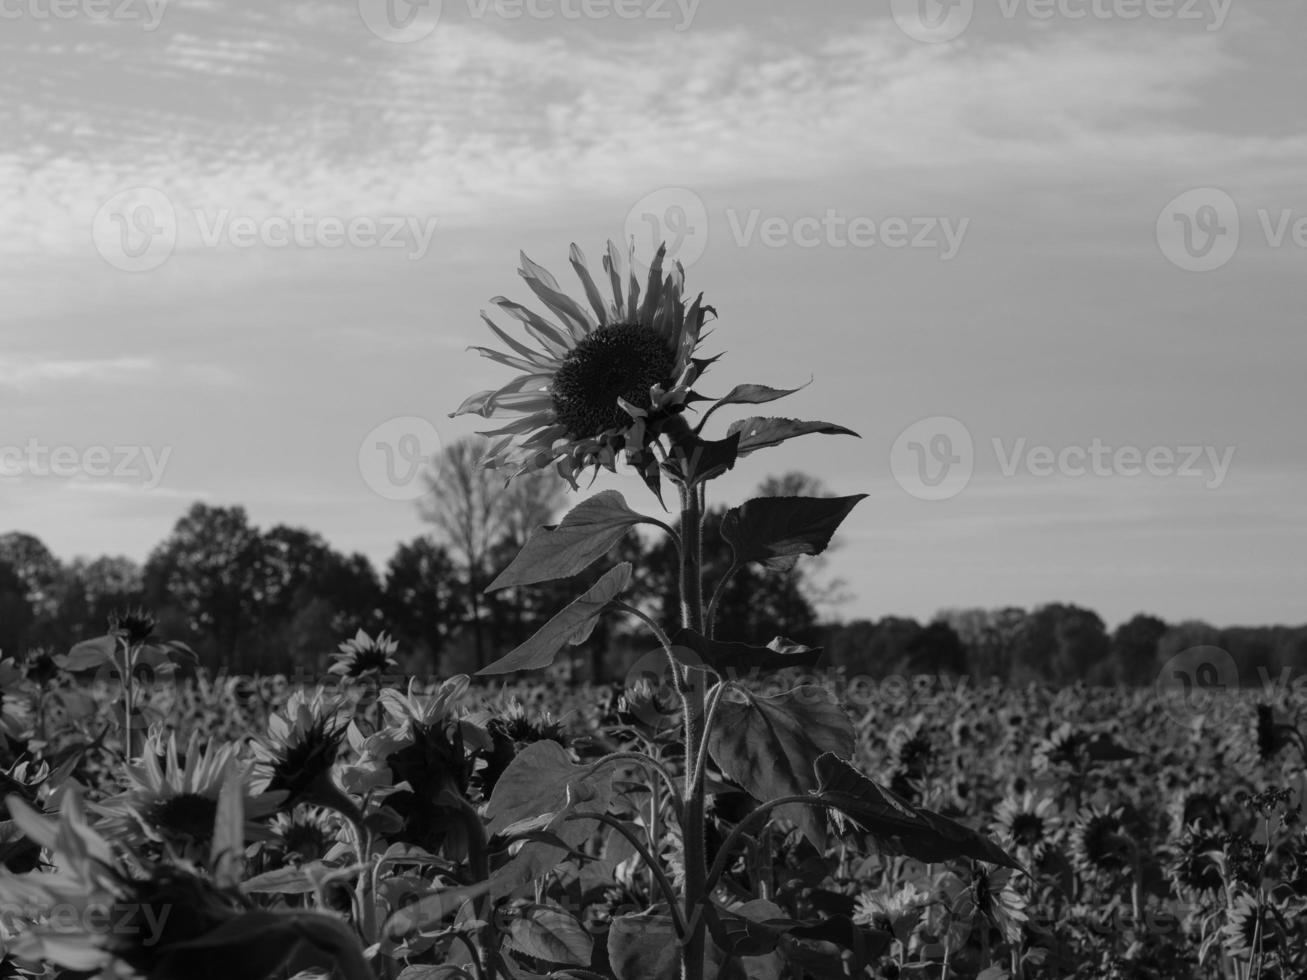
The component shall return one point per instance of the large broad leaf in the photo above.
(769, 745)
(541, 780)
(586, 534)
(897, 826)
(88, 655)
(644, 947)
(737, 660)
(573, 625)
(551, 935)
(760, 432)
(777, 530)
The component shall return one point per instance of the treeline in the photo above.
(280, 599)
(1058, 644)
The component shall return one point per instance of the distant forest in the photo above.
(279, 600)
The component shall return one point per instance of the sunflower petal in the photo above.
(592, 293)
(613, 265)
(654, 291)
(534, 356)
(508, 360)
(546, 288)
(633, 300)
(537, 326)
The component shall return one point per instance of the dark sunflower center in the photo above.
(1028, 829)
(188, 817)
(619, 361)
(371, 659)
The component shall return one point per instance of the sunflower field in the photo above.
(730, 810)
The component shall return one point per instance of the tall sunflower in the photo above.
(298, 753)
(600, 382)
(172, 797)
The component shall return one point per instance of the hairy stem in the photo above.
(696, 891)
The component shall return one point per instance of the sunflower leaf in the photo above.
(750, 395)
(696, 460)
(896, 825)
(769, 745)
(551, 935)
(760, 432)
(735, 660)
(542, 779)
(571, 626)
(587, 533)
(644, 946)
(777, 530)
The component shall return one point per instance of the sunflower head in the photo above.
(601, 381)
(1030, 822)
(1196, 865)
(171, 801)
(300, 750)
(133, 626)
(307, 834)
(365, 656)
(1101, 842)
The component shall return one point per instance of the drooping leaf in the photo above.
(587, 532)
(644, 947)
(735, 660)
(752, 929)
(897, 826)
(776, 530)
(542, 779)
(769, 745)
(301, 880)
(551, 935)
(573, 625)
(431, 909)
(761, 432)
(694, 460)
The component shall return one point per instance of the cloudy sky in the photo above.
(1046, 256)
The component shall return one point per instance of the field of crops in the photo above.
(510, 830)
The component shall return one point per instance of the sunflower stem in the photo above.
(696, 892)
